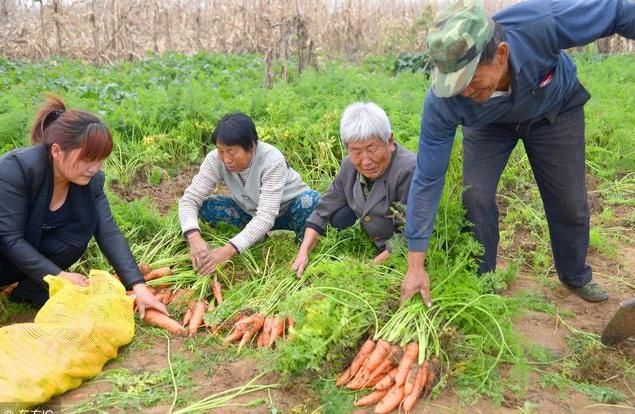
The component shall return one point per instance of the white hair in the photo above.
(362, 121)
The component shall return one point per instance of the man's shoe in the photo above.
(592, 292)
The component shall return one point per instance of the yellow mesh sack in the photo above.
(74, 334)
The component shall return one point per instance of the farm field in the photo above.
(515, 341)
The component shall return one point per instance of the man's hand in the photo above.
(382, 257)
(300, 263)
(216, 258)
(76, 278)
(146, 300)
(416, 279)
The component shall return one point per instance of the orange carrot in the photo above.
(188, 313)
(263, 338)
(248, 324)
(156, 318)
(358, 380)
(373, 381)
(409, 385)
(198, 313)
(187, 316)
(239, 328)
(358, 362)
(365, 378)
(157, 273)
(419, 383)
(378, 355)
(277, 330)
(379, 372)
(144, 268)
(391, 400)
(372, 398)
(361, 356)
(249, 334)
(230, 321)
(387, 381)
(386, 365)
(234, 335)
(216, 290)
(253, 328)
(344, 377)
(409, 356)
(258, 322)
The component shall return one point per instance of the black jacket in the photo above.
(25, 194)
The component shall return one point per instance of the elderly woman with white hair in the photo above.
(372, 184)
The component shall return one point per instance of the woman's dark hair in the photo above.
(236, 129)
(71, 130)
(489, 51)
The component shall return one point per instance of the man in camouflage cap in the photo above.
(503, 79)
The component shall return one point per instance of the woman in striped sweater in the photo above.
(265, 193)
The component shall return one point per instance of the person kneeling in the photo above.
(372, 184)
(265, 193)
(53, 203)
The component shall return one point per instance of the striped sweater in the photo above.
(204, 183)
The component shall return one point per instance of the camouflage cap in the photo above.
(455, 43)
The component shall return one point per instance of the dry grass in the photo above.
(104, 30)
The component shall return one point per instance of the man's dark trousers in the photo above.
(556, 154)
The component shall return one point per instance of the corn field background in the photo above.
(102, 31)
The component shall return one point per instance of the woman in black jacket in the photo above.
(52, 203)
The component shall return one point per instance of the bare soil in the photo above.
(165, 195)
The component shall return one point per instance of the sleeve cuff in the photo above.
(239, 243)
(315, 227)
(190, 231)
(417, 245)
(133, 284)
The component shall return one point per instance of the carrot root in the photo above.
(217, 291)
(362, 356)
(391, 400)
(198, 313)
(372, 398)
(158, 319)
(344, 377)
(410, 355)
(387, 381)
(419, 383)
(157, 273)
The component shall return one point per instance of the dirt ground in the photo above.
(538, 328)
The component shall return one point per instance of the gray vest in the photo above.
(248, 195)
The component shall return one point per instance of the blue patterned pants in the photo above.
(220, 208)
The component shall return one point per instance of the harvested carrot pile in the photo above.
(265, 330)
(394, 374)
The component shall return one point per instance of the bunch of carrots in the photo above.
(196, 308)
(396, 377)
(266, 330)
(195, 313)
